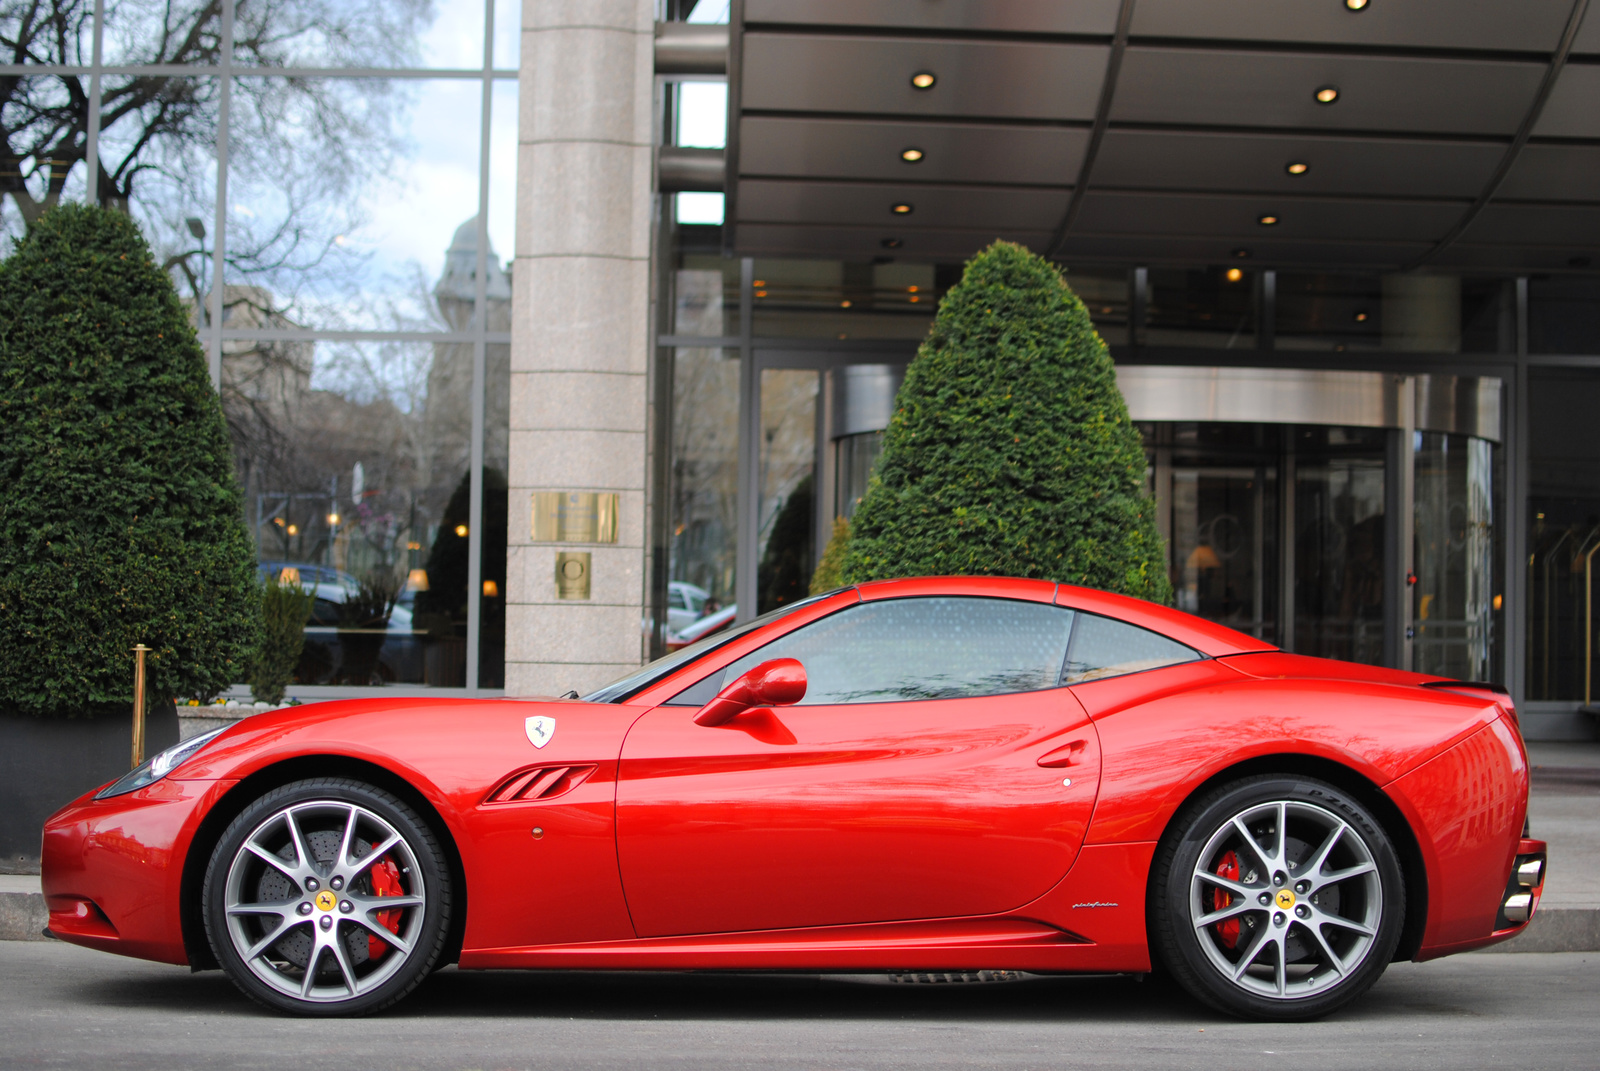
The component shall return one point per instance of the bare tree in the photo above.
(163, 125)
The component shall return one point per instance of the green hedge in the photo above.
(120, 522)
(1010, 452)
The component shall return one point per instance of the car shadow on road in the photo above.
(689, 996)
(709, 996)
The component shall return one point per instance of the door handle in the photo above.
(1067, 755)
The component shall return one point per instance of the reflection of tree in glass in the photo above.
(158, 131)
(786, 566)
(948, 686)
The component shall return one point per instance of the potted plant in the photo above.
(1011, 452)
(121, 521)
(364, 626)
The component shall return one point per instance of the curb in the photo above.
(1554, 929)
(23, 916)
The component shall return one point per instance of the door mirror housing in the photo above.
(779, 682)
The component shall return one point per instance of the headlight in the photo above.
(156, 767)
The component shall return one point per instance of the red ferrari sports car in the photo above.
(946, 774)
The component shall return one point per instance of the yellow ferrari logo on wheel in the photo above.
(1285, 898)
(325, 900)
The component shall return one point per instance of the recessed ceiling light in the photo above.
(760, 282)
(845, 304)
(911, 156)
(902, 208)
(1355, 5)
(1327, 94)
(1297, 167)
(923, 80)
(1234, 275)
(1241, 253)
(761, 293)
(890, 243)
(1268, 220)
(915, 299)
(1361, 317)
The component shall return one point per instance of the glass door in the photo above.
(1339, 540)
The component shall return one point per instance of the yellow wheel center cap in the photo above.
(325, 900)
(1285, 898)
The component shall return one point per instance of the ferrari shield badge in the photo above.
(540, 730)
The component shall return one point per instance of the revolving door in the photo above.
(1349, 515)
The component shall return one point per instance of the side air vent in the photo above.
(539, 783)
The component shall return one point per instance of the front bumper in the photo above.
(113, 870)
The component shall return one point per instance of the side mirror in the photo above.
(777, 683)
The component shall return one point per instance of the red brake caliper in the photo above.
(1227, 929)
(386, 882)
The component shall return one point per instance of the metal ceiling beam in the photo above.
(1102, 119)
(691, 48)
(680, 170)
(1558, 61)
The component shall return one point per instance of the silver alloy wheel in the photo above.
(1301, 910)
(302, 908)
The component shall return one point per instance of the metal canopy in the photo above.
(1465, 134)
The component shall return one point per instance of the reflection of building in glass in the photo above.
(449, 406)
(354, 458)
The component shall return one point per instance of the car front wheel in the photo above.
(327, 897)
(1277, 898)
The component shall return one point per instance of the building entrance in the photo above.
(1276, 530)
(1348, 515)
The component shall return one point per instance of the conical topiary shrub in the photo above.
(1010, 452)
(120, 523)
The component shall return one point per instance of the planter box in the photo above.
(46, 763)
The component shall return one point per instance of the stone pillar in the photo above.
(580, 335)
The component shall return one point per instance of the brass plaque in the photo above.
(572, 574)
(574, 517)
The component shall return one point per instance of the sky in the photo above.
(412, 217)
(703, 122)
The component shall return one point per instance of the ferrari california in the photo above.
(941, 774)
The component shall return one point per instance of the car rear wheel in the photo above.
(327, 897)
(1277, 898)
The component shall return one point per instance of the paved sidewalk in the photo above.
(1564, 810)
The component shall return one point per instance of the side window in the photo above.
(1104, 647)
(675, 600)
(920, 648)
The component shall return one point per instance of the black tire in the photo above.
(323, 939)
(1258, 933)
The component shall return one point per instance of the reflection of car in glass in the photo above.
(708, 625)
(322, 660)
(945, 774)
(684, 604)
(306, 574)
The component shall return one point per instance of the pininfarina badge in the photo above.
(540, 730)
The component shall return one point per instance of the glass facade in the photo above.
(1563, 518)
(331, 187)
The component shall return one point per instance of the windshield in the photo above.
(619, 691)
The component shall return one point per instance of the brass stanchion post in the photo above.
(1588, 626)
(138, 704)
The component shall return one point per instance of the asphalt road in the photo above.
(63, 1007)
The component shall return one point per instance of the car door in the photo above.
(906, 785)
